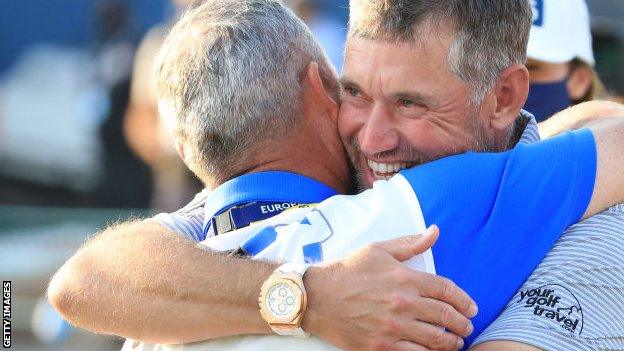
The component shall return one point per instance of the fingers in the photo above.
(430, 311)
(427, 336)
(443, 289)
(428, 239)
(444, 315)
(406, 247)
(404, 345)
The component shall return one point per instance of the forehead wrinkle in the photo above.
(393, 83)
(387, 69)
(357, 68)
(374, 73)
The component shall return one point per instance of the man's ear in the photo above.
(180, 149)
(510, 91)
(315, 88)
(579, 82)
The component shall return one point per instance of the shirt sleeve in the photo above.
(187, 221)
(188, 224)
(499, 214)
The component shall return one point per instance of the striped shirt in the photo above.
(578, 289)
(189, 220)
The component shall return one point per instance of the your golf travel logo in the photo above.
(556, 303)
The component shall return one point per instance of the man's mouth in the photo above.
(385, 170)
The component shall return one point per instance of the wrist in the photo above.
(315, 282)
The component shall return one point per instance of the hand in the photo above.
(371, 301)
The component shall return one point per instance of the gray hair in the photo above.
(490, 35)
(228, 81)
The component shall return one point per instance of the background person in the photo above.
(560, 58)
(173, 184)
(329, 32)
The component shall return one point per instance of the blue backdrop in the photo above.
(64, 22)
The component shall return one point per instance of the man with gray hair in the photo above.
(329, 170)
(427, 79)
(222, 146)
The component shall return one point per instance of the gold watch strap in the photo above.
(300, 270)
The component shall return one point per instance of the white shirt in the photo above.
(343, 224)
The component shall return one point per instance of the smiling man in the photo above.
(423, 81)
(396, 114)
(419, 83)
(368, 300)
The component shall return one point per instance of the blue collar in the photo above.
(265, 186)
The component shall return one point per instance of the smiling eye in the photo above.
(352, 91)
(407, 103)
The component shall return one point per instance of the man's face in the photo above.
(546, 72)
(402, 106)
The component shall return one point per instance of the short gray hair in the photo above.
(490, 35)
(228, 80)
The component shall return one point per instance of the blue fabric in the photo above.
(546, 99)
(260, 241)
(499, 214)
(537, 6)
(270, 186)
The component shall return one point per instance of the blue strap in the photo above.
(275, 187)
(243, 215)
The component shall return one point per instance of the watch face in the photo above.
(282, 301)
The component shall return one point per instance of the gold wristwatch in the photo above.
(283, 300)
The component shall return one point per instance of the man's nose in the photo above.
(378, 133)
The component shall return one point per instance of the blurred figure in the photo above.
(48, 325)
(560, 58)
(1, 119)
(126, 181)
(51, 110)
(146, 133)
(330, 33)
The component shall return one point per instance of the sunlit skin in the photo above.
(402, 104)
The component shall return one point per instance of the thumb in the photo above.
(406, 247)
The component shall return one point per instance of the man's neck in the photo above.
(318, 170)
(302, 159)
(312, 149)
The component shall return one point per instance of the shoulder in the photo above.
(198, 202)
(615, 212)
(606, 223)
(189, 220)
(617, 209)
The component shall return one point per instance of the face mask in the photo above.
(546, 99)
